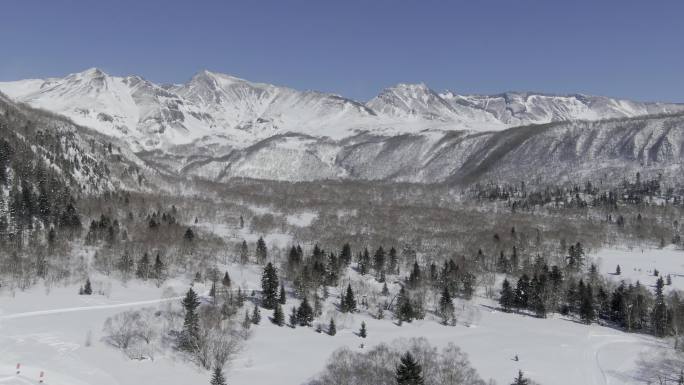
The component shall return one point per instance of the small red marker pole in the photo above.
(18, 368)
(41, 376)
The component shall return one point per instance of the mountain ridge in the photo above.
(238, 113)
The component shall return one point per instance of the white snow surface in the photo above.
(45, 331)
(638, 264)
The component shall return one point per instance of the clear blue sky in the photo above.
(632, 49)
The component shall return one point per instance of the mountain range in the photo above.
(217, 126)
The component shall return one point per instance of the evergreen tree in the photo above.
(385, 290)
(282, 299)
(379, 261)
(256, 315)
(189, 235)
(348, 303)
(217, 377)
(318, 306)
(87, 289)
(125, 265)
(247, 322)
(305, 313)
(191, 323)
(618, 271)
(269, 286)
(522, 292)
(415, 276)
(364, 262)
(332, 330)
(468, 287)
(404, 308)
(520, 379)
(409, 372)
(158, 268)
(143, 269)
(226, 280)
(393, 261)
(446, 306)
(278, 316)
(212, 291)
(261, 250)
(507, 298)
(363, 332)
(293, 317)
(345, 254)
(659, 313)
(587, 312)
(240, 297)
(244, 253)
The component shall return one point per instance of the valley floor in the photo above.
(47, 331)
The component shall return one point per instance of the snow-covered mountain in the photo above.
(235, 113)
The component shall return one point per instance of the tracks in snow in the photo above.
(84, 308)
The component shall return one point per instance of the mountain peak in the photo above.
(92, 72)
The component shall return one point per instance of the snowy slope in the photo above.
(46, 330)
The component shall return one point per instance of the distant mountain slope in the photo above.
(610, 150)
(41, 145)
(235, 113)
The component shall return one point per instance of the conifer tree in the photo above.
(522, 292)
(240, 297)
(191, 322)
(393, 261)
(385, 290)
(189, 235)
(520, 379)
(244, 253)
(409, 372)
(217, 377)
(256, 315)
(212, 291)
(282, 299)
(468, 287)
(348, 303)
(363, 332)
(269, 286)
(278, 316)
(364, 262)
(305, 313)
(158, 268)
(659, 313)
(261, 250)
(247, 322)
(379, 261)
(587, 312)
(226, 281)
(404, 308)
(446, 306)
(318, 306)
(618, 270)
(415, 276)
(507, 298)
(293, 317)
(332, 329)
(87, 289)
(143, 269)
(345, 254)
